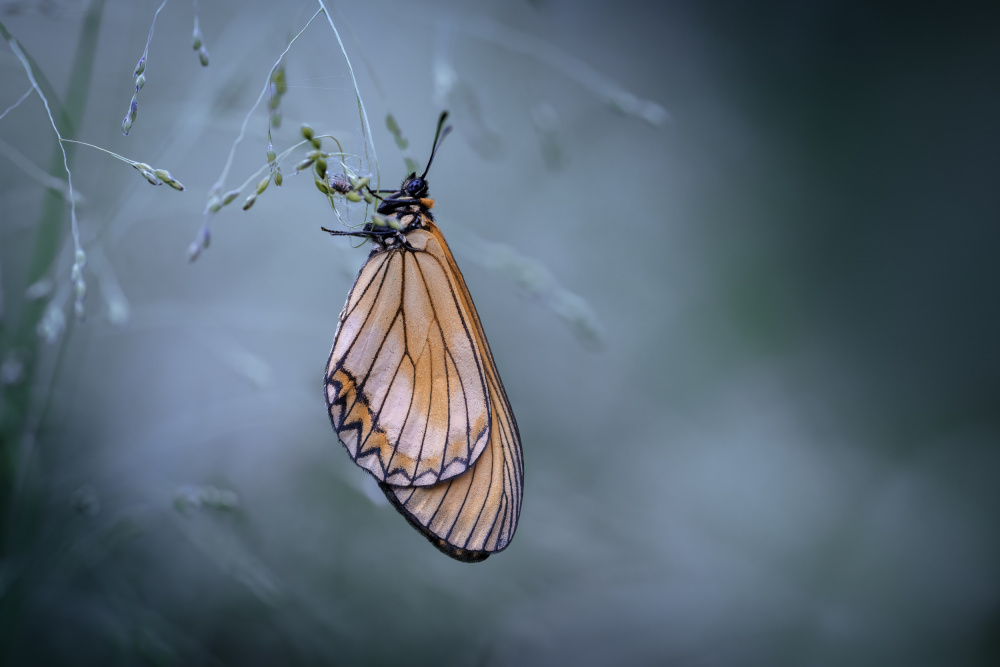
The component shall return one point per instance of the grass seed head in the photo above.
(167, 178)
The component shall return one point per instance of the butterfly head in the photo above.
(414, 186)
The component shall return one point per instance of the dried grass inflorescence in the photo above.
(344, 184)
(133, 107)
(275, 87)
(52, 323)
(140, 69)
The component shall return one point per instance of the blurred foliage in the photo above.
(751, 344)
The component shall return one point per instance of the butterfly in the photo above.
(411, 386)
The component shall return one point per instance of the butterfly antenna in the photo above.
(439, 136)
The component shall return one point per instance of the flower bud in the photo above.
(263, 184)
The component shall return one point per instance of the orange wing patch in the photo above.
(473, 515)
(406, 387)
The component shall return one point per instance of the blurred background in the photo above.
(737, 265)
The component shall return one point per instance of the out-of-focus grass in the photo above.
(20, 415)
(737, 475)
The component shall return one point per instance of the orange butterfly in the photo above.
(412, 389)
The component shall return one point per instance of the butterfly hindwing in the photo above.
(475, 514)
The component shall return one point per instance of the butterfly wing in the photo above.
(406, 384)
(475, 514)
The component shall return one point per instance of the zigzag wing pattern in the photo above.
(406, 387)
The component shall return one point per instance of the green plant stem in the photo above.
(50, 231)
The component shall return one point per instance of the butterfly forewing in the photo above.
(406, 383)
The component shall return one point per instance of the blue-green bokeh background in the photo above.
(784, 451)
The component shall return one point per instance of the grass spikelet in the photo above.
(140, 75)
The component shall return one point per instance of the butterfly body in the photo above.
(413, 392)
